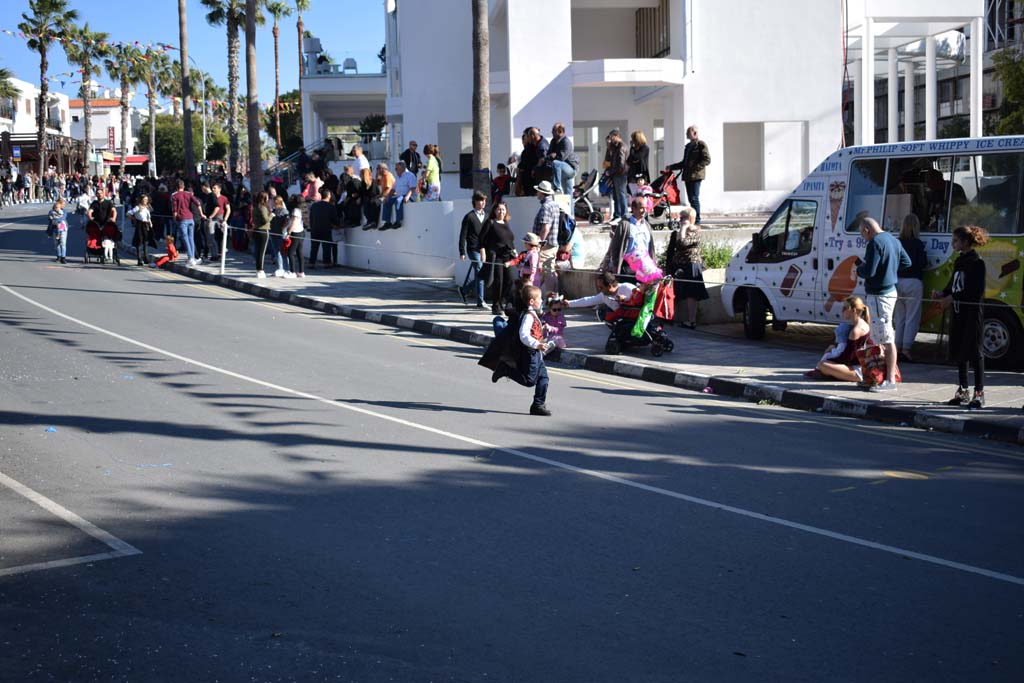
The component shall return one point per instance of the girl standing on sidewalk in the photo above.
(295, 232)
(260, 231)
(59, 230)
(143, 216)
(964, 293)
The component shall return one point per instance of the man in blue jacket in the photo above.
(883, 258)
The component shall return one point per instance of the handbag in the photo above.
(871, 357)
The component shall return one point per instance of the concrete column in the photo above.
(307, 119)
(930, 88)
(675, 125)
(977, 49)
(893, 100)
(908, 101)
(858, 96)
(867, 77)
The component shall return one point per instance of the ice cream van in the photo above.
(802, 263)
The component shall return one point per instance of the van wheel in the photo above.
(755, 314)
(1002, 340)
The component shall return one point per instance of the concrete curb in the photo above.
(634, 369)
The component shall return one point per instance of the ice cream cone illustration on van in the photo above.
(836, 192)
(842, 282)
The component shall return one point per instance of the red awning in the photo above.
(130, 160)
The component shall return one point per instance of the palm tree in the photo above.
(252, 111)
(153, 71)
(231, 13)
(278, 9)
(86, 49)
(186, 89)
(300, 7)
(122, 64)
(50, 20)
(481, 98)
(170, 86)
(8, 90)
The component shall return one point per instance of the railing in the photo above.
(54, 123)
(652, 31)
(286, 168)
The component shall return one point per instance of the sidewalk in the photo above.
(710, 359)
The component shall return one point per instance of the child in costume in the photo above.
(528, 261)
(172, 253)
(529, 350)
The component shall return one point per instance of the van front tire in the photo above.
(755, 315)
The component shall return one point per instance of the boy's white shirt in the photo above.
(624, 290)
(525, 327)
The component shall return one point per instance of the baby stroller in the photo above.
(583, 207)
(93, 239)
(664, 194)
(650, 319)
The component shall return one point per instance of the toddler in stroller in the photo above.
(640, 320)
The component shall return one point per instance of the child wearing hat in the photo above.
(528, 261)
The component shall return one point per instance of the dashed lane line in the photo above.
(525, 455)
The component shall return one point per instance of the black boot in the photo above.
(540, 409)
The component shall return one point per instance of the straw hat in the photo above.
(545, 187)
(531, 238)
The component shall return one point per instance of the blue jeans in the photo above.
(187, 229)
(393, 204)
(61, 242)
(693, 196)
(564, 173)
(536, 376)
(473, 277)
(619, 196)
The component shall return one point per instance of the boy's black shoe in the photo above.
(540, 409)
(978, 402)
(498, 373)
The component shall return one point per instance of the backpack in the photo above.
(566, 228)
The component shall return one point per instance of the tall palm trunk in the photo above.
(481, 98)
(186, 89)
(124, 125)
(277, 88)
(151, 96)
(252, 107)
(300, 26)
(87, 112)
(41, 110)
(233, 78)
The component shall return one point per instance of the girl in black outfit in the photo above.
(499, 244)
(636, 162)
(965, 292)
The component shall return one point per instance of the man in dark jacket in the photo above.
(469, 245)
(695, 159)
(412, 158)
(323, 218)
(615, 163)
(534, 155)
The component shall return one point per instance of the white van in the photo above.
(801, 265)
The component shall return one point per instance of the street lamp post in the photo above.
(202, 89)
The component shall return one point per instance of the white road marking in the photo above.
(597, 474)
(119, 547)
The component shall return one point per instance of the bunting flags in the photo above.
(147, 46)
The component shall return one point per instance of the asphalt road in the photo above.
(200, 485)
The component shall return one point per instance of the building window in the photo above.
(28, 106)
(74, 119)
(652, 31)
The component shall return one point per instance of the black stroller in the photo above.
(583, 207)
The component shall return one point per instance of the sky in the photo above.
(346, 28)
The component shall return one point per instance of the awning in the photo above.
(130, 160)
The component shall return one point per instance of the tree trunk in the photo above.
(87, 113)
(186, 90)
(481, 99)
(277, 90)
(152, 127)
(252, 105)
(233, 78)
(124, 124)
(299, 25)
(44, 90)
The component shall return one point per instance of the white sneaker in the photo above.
(885, 386)
(278, 273)
(198, 261)
(260, 274)
(302, 275)
(191, 262)
(289, 276)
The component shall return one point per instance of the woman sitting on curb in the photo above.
(844, 365)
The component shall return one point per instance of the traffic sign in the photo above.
(16, 153)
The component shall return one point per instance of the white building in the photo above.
(763, 82)
(18, 126)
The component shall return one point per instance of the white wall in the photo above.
(788, 54)
(603, 33)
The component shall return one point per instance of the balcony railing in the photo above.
(54, 123)
(652, 31)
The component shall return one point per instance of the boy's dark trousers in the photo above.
(536, 376)
(325, 240)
